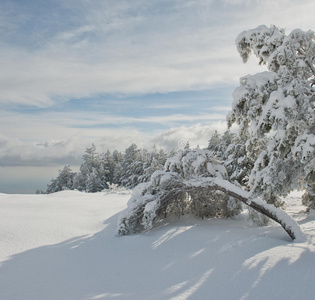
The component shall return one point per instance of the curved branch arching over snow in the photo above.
(274, 213)
(147, 203)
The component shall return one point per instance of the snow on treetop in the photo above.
(261, 41)
(192, 163)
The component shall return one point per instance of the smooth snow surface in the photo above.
(63, 246)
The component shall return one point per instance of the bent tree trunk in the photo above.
(274, 213)
(151, 204)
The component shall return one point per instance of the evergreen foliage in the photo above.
(101, 170)
(64, 181)
(275, 110)
(231, 150)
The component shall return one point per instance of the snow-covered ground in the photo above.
(64, 246)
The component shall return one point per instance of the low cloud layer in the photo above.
(16, 152)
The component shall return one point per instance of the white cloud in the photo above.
(141, 47)
(38, 80)
(71, 35)
(40, 149)
(50, 125)
(17, 152)
(196, 135)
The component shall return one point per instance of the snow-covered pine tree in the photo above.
(106, 169)
(131, 168)
(93, 182)
(275, 110)
(231, 150)
(92, 171)
(64, 181)
(214, 141)
(98, 171)
(155, 160)
(79, 182)
(117, 158)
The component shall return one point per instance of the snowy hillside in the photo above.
(64, 246)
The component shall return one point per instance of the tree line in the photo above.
(99, 171)
(135, 165)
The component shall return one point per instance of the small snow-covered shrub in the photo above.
(169, 191)
(176, 190)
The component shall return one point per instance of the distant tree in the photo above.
(117, 159)
(106, 169)
(93, 171)
(129, 167)
(38, 192)
(79, 182)
(155, 160)
(101, 170)
(94, 182)
(214, 141)
(64, 181)
(89, 161)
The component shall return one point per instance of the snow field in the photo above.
(64, 246)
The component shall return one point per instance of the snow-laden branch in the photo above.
(148, 204)
(307, 61)
(274, 213)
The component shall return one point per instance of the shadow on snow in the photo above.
(191, 259)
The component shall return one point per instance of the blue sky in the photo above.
(114, 72)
